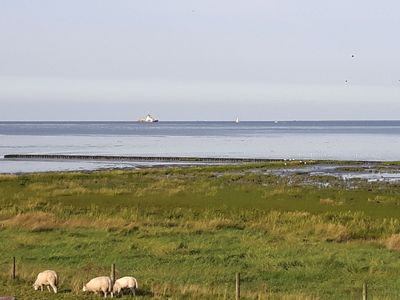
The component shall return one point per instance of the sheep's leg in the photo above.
(133, 291)
(105, 294)
(54, 288)
(48, 288)
(41, 287)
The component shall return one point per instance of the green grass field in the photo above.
(185, 232)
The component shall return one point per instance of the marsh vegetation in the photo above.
(184, 232)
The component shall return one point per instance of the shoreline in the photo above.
(189, 159)
(57, 164)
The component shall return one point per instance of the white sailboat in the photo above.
(237, 120)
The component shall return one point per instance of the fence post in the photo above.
(112, 274)
(237, 286)
(13, 269)
(365, 291)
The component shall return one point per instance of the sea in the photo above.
(333, 140)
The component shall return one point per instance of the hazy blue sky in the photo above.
(199, 60)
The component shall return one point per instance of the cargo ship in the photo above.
(149, 119)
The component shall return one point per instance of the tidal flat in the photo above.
(183, 232)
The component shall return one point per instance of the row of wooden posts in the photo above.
(237, 285)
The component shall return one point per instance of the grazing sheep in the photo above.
(125, 283)
(46, 278)
(99, 284)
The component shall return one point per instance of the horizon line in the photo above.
(225, 121)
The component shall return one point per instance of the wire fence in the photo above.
(19, 270)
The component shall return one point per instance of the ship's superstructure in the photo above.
(149, 119)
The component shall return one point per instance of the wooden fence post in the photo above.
(237, 286)
(365, 291)
(112, 274)
(13, 269)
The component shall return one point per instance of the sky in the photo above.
(199, 60)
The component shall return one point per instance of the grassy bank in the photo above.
(184, 232)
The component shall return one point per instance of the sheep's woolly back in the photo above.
(126, 282)
(45, 277)
(99, 284)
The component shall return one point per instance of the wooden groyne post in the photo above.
(112, 274)
(365, 291)
(237, 286)
(136, 158)
(187, 159)
(13, 269)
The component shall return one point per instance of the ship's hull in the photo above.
(144, 121)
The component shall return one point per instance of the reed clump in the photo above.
(393, 242)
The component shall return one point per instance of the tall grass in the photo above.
(184, 233)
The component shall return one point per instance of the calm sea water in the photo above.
(349, 140)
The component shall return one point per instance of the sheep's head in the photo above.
(84, 288)
(35, 286)
(116, 288)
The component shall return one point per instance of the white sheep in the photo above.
(46, 278)
(125, 283)
(99, 284)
